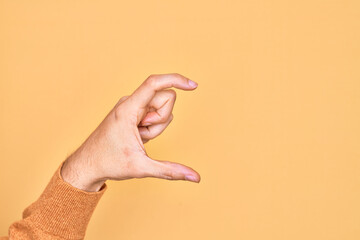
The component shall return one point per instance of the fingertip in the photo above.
(190, 178)
(193, 178)
(192, 84)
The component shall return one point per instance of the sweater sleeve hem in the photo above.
(63, 210)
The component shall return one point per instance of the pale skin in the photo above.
(115, 149)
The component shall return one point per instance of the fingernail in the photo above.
(190, 178)
(192, 83)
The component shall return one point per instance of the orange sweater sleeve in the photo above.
(61, 212)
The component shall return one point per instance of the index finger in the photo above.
(146, 91)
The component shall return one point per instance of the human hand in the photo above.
(115, 150)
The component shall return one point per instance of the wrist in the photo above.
(78, 174)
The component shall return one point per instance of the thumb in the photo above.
(171, 171)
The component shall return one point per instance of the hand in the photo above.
(115, 150)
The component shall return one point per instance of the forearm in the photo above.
(61, 212)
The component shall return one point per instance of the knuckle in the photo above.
(120, 105)
(172, 94)
(176, 74)
(122, 99)
(167, 174)
(163, 118)
(117, 114)
(119, 111)
(151, 80)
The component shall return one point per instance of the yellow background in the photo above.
(273, 127)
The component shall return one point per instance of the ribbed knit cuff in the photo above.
(63, 210)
